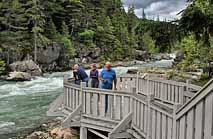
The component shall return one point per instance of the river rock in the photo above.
(37, 135)
(61, 133)
(161, 56)
(26, 66)
(142, 55)
(19, 76)
(132, 71)
(49, 54)
(179, 56)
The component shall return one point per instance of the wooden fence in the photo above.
(135, 113)
(167, 91)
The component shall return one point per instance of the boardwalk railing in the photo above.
(134, 114)
(167, 91)
(195, 119)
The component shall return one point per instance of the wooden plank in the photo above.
(138, 112)
(164, 127)
(65, 96)
(134, 111)
(154, 124)
(83, 102)
(111, 106)
(176, 94)
(94, 107)
(197, 98)
(142, 121)
(102, 103)
(182, 128)
(159, 126)
(83, 133)
(208, 133)
(181, 95)
(66, 123)
(190, 125)
(169, 92)
(117, 107)
(126, 106)
(121, 135)
(88, 103)
(169, 131)
(77, 98)
(97, 133)
(146, 121)
(173, 93)
(199, 120)
(122, 125)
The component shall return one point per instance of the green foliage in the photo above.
(192, 51)
(198, 18)
(149, 43)
(2, 66)
(87, 34)
(68, 45)
(87, 24)
(65, 29)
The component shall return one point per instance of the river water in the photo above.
(23, 105)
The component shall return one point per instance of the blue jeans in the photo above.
(86, 80)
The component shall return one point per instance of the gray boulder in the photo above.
(49, 54)
(19, 76)
(179, 56)
(142, 55)
(26, 66)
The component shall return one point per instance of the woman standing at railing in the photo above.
(94, 76)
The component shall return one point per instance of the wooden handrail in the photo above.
(198, 97)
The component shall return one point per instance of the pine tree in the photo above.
(65, 29)
(143, 14)
(37, 17)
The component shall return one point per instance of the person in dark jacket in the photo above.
(94, 75)
(80, 75)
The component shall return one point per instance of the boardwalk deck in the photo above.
(142, 108)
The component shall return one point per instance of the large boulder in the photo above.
(49, 54)
(142, 55)
(161, 56)
(27, 66)
(19, 76)
(179, 56)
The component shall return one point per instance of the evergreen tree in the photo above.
(143, 14)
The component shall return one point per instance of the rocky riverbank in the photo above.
(28, 69)
(51, 130)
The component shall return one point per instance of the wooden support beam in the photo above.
(66, 123)
(98, 134)
(83, 133)
(122, 125)
(122, 135)
(56, 107)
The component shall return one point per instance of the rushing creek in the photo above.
(23, 105)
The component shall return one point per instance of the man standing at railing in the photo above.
(80, 75)
(108, 77)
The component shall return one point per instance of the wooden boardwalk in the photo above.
(142, 108)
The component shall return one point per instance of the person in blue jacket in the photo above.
(80, 75)
(108, 79)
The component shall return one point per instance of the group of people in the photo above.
(105, 80)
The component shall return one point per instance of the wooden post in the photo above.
(82, 102)
(187, 85)
(137, 83)
(133, 90)
(83, 133)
